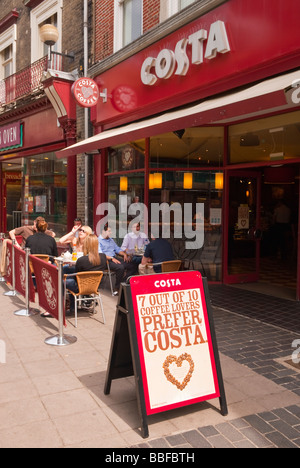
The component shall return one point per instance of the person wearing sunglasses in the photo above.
(75, 238)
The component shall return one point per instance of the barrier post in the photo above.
(13, 292)
(60, 339)
(27, 312)
(2, 236)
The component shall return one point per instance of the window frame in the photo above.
(8, 39)
(39, 15)
(119, 23)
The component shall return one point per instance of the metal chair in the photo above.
(109, 273)
(88, 285)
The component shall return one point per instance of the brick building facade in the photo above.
(26, 101)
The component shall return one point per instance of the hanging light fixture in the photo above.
(157, 180)
(219, 177)
(151, 181)
(123, 184)
(188, 180)
(219, 180)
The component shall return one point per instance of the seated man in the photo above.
(26, 231)
(118, 265)
(159, 250)
(134, 241)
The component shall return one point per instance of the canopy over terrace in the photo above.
(272, 95)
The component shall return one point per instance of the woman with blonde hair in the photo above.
(76, 243)
(91, 260)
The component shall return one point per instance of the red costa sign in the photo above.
(86, 92)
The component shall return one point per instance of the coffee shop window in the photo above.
(123, 191)
(269, 139)
(45, 191)
(190, 147)
(203, 200)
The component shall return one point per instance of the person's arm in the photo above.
(12, 235)
(121, 252)
(146, 260)
(50, 233)
(67, 239)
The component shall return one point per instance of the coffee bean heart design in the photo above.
(87, 92)
(179, 361)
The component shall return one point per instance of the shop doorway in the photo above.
(261, 232)
(11, 200)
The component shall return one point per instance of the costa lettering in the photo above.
(86, 92)
(164, 65)
(167, 283)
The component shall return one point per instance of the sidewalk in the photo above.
(53, 397)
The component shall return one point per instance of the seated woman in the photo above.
(40, 242)
(76, 243)
(91, 260)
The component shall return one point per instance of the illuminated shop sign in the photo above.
(169, 62)
(86, 92)
(11, 136)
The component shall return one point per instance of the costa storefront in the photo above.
(210, 114)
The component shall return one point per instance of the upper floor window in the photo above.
(7, 61)
(128, 22)
(48, 12)
(185, 3)
(174, 6)
(8, 52)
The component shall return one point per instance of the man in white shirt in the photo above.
(135, 241)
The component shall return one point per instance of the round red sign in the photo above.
(86, 92)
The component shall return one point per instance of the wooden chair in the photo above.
(88, 285)
(45, 258)
(167, 267)
(170, 266)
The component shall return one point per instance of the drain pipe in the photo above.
(86, 110)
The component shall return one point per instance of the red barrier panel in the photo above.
(9, 250)
(47, 282)
(20, 275)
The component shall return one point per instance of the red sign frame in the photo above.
(190, 389)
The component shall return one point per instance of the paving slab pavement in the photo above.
(52, 397)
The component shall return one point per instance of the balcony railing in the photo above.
(28, 81)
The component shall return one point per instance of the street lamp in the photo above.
(49, 35)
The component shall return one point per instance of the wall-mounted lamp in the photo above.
(123, 184)
(49, 34)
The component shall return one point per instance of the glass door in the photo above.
(242, 230)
